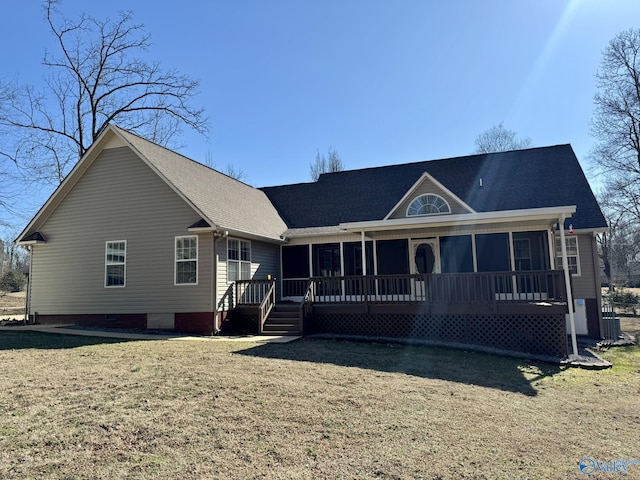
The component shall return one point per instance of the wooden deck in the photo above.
(517, 311)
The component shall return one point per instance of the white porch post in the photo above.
(364, 256)
(552, 249)
(567, 281)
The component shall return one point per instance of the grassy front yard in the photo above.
(74, 407)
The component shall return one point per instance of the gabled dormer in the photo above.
(428, 197)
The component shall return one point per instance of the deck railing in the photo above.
(307, 301)
(252, 292)
(445, 288)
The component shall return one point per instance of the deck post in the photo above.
(567, 281)
(364, 256)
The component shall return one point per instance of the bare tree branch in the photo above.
(500, 139)
(616, 120)
(95, 76)
(331, 163)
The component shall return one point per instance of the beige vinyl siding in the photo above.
(428, 186)
(265, 260)
(118, 198)
(584, 284)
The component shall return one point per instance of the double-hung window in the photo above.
(238, 260)
(573, 256)
(186, 260)
(115, 264)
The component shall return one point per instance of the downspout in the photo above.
(596, 274)
(214, 284)
(567, 282)
(27, 305)
(217, 234)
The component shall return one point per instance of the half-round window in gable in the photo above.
(428, 204)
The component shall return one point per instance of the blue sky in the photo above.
(380, 81)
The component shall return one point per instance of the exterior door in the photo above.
(425, 261)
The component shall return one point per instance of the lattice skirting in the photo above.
(537, 334)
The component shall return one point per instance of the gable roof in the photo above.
(223, 202)
(514, 180)
(440, 189)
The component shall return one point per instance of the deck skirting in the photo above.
(536, 330)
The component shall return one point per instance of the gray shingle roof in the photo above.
(521, 179)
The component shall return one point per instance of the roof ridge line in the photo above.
(189, 159)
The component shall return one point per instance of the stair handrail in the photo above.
(267, 304)
(307, 302)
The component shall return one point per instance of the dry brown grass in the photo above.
(74, 407)
(631, 325)
(12, 303)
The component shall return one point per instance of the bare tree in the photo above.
(619, 247)
(7, 165)
(235, 172)
(331, 163)
(230, 170)
(616, 119)
(500, 139)
(95, 76)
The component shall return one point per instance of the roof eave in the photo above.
(530, 214)
(232, 232)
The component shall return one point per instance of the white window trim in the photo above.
(176, 261)
(107, 264)
(558, 254)
(240, 262)
(407, 214)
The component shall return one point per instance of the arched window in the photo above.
(428, 204)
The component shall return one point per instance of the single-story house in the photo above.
(495, 250)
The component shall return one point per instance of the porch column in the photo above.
(552, 249)
(567, 281)
(364, 256)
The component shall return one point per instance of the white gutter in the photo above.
(236, 233)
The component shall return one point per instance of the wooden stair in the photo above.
(284, 319)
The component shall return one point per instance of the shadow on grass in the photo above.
(20, 340)
(473, 368)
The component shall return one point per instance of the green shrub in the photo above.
(625, 296)
(623, 300)
(12, 281)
